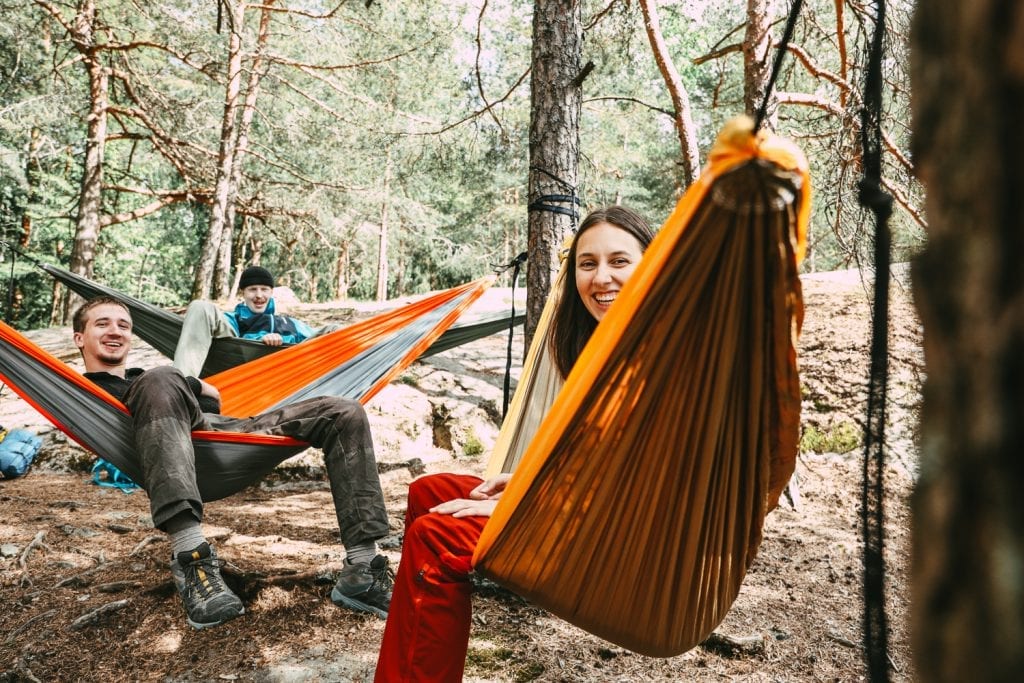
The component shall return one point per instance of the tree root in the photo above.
(14, 634)
(90, 618)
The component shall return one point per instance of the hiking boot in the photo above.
(365, 587)
(208, 601)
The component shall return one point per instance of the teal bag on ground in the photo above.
(105, 474)
(17, 451)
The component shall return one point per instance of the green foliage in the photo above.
(406, 110)
(471, 445)
(842, 437)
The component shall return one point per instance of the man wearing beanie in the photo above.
(254, 318)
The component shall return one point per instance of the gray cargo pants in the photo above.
(164, 412)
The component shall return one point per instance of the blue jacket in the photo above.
(249, 325)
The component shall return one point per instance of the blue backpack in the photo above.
(17, 450)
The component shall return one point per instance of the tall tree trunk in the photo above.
(32, 173)
(968, 559)
(399, 271)
(683, 119)
(757, 58)
(225, 158)
(341, 272)
(555, 101)
(238, 252)
(222, 274)
(87, 223)
(382, 250)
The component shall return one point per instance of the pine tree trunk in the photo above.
(686, 130)
(32, 180)
(555, 100)
(968, 569)
(757, 57)
(341, 273)
(382, 249)
(87, 223)
(225, 159)
(222, 275)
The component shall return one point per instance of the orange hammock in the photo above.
(371, 352)
(354, 362)
(638, 506)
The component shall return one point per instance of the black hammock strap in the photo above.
(516, 265)
(550, 202)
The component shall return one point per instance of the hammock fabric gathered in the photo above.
(638, 506)
(354, 362)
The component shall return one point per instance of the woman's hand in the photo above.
(481, 502)
(463, 507)
(491, 489)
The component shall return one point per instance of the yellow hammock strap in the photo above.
(638, 506)
(539, 384)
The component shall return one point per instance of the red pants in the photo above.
(427, 631)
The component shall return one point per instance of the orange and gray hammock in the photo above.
(161, 329)
(355, 362)
(639, 503)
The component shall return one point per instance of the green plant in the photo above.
(472, 445)
(839, 438)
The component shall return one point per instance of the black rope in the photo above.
(780, 54)
(541, 204)
(875, 199)
(516, 264)
(544, 202)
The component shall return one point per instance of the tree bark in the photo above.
(555, 102)
(967, 67)
(222, 274)
(757, 58)
(87, 223)
(32, 172)
(683, 118)
(203, 281)
(341, 272)
(382, 249)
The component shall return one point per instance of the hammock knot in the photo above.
(873, 197)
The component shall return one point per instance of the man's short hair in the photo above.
(81, 315)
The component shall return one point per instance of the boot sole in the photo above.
(342, 600)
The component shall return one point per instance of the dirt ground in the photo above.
(86, 595)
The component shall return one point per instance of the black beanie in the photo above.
(255, 275)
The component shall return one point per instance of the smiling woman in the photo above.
(427, 632)
(605, 258)
(616, 235)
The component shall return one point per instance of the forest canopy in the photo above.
(368, 149)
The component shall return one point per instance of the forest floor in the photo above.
(86, 594)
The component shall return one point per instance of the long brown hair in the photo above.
(572, 324)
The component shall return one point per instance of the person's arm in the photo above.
(207, 394)
(481, 502)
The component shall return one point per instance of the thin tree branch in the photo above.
(615, 98)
